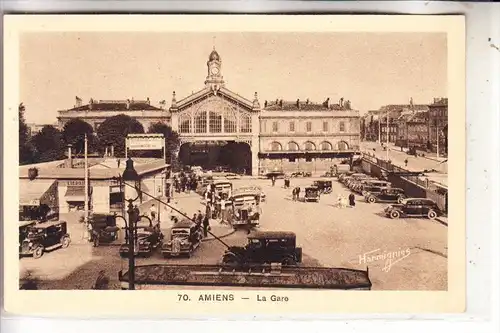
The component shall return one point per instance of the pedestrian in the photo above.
(118, 161)
(406, 162)
(206, 226)
(273, 180)
(102, 281)
(339, 201)
(152, 211)
(352, 200)
(344, 202)
(223, 210)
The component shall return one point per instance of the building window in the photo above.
(325, 126)
(342, 145)
(215, 122)
(263, 126)
(275, 146)
(308, 126)
(292, 146)
(342, 126)
(309, 146)
(200, 122)
(246, 124)
(229, 122)
(292, 126)
(309, 159)
(275, 126)
(326, 146)
(291, 159)
(184, 123)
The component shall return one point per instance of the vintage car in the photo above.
(147, 239)
(104, 229)
(24, 227)
(223, 188)
(414, 207)
(312, 193)
(185, 237)
(253, 189)
(342, 176)
(384, 194)
(371, 185)
(356, 178)
(324, 186)
(44, 237)
(245, 210)
(265, 247)
(300, 174)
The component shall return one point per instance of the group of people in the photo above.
(343, 202)
(185, 182)
(215, 204)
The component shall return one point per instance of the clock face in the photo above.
(214, 70)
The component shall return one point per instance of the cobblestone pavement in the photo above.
(329, 236)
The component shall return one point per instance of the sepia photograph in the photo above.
(219, 161)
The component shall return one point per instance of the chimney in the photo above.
(148, 101)
(128, 104)
(307, 101)
(174, 100)
(298, 103)
(277, 101)
(91, 102)
(265, 104)
(341, 102)
(78, 101)
(281, 103)
(328, 102)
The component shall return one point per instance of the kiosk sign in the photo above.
(144, 142)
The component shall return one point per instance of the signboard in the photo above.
(153, 142)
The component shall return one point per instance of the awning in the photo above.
(36, 192)
(75, 193)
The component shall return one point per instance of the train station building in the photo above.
(220, 127)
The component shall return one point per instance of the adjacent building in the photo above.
(288, 135)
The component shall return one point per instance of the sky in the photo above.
(369, 69)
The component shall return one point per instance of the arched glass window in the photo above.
(215, 122)
(200, 122)
(275, 146)
(246, 124)
(309, 146)
(343, 145)
(185, 123)
(293, 146)
(229, 122)
(325, 145)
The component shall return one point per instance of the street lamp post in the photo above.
(131, 175)
(387, 136)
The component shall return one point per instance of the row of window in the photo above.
(308, 146)
(214, 122)
(309, 126)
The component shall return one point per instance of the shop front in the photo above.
(38, 200)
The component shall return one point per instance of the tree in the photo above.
(25, 148)
(172, 141)
(74, 133)
(445, 134)
(114, 130)
(48, 144)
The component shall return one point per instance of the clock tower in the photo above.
(214, 79)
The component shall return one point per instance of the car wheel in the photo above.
(400, 200)
(431, 214)
(230, 261)
(65, 242)
(394, 214)
(288, 261)
(38, 252)
(371, 199)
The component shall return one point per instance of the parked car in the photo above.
(185, 238)
(324, 186)
(372, 185)
(414, 207)
(44, 237)
(148, 239)
(300, 174)
(312, 193)
(265, 247)
(104, 229)
(381, 194)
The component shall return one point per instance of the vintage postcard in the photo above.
(234, 164)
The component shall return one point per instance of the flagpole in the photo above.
(86, 184)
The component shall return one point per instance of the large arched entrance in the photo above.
(230, 155)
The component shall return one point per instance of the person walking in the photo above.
(223, 210)
(206, 226)
(406, 162)
(152, 211)
(352, 200)
(273, 180)
(339, 201)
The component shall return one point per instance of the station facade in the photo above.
(258, 137)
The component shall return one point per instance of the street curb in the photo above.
(442, 221)
(429, 158)
(223, 236)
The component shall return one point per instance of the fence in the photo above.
(431, 190)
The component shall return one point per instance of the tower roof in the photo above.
(214, 56)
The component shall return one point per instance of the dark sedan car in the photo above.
(414, 207)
